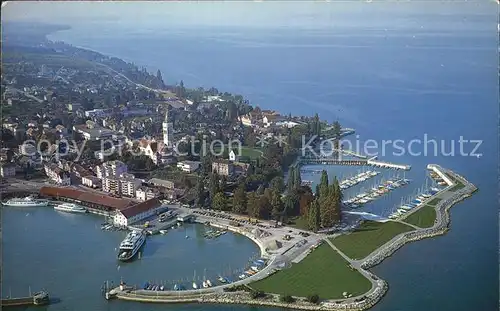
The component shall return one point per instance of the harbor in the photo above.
(375, 192)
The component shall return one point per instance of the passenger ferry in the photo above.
(70, 207)
(26, 202)
(131, 245)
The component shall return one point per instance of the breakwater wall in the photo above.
(23, 301)
(441, 226)
(270, 300)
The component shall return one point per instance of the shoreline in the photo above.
(359, 303)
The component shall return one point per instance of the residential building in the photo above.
(146, 193)
(92, 181)
(111, 169)
(91, 131)
(223, 167)
(162, 183)
(7, 169)
(137, 212)
(98, 113)
(129, 184)
(111, 185)
(272, 119)
(57, 175)
(189, 166)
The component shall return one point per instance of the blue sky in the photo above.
(241, 13)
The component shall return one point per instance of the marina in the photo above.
(361, 177)
(375, 192)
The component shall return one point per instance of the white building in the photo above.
(137, 212)
(57, 175)
(111, 185)
(129, 184)
(189, 166)
(233, 156)
(168, 132)
(7, 169)
(111, 169)
(146, 193)
(91, 181)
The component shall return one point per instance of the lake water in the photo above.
(398, 74)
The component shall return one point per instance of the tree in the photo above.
(277, 184)
(252, 205)
(240, 200)
(297, 177)
(219, 202)
(313, 218)
(213, 185)
(260, 190)
(316, 126)
(337, 133)
(200, 192)
(336, 197)
(313, 299)
(287, 299)
(264, 207)
(277, 205)
(291, 178)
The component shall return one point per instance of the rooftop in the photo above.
(86, 196)
(140, 208)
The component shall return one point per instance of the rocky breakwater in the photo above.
(352, 304)
(440, 227)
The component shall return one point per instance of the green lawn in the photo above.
(368, 237)
(434, 201)
(248, 152)
(424, 217)
(323, 272)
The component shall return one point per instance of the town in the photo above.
(99, 127)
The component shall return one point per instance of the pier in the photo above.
(374, 162)
(359, 162)
(332, 161)
(37, 299)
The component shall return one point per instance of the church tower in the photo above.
(168, 131)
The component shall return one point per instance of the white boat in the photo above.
(163, 231)
(70, 207)
(131, 245)
(195, 286)
(26, 202)
(205, 284)
(242, 276)
(209, 283)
